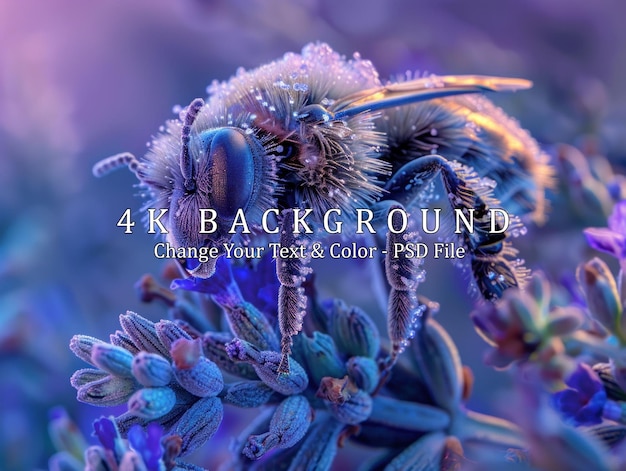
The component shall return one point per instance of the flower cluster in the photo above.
(179, 381)
(176, 379)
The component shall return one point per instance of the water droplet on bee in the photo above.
(433, 132)
(282, 84)
(176, 109)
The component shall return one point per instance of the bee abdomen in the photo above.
(477, 134)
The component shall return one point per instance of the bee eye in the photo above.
(232, 171)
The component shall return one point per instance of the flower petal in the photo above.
(585, 380)
(617, 219)
(607, 241)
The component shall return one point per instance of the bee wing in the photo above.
(423, 89)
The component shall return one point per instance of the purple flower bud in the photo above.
(319, 447)
(266, 364)
(151, 370)
(169, 332)
(198, 375)
(607, 241)
(248, 394)
(202, 379)
(143, 333)
(151, 403)
(321, 357)
(611, 240)
(106, 431)
(439, 365)
(356, 409)
(122, 339)
(82, 345)
(289, 424)
(198, 424)
(214, 348)
(355, 334)
(364, 372)
(249, 324)
(598, 285)
(113, 359)
(147, 444)
(108, 391)
(86, 375)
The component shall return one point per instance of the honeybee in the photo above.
(320, 132)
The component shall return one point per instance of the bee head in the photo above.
(220, 174)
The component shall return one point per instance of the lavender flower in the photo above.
(583, 401)
(146, 450)
(338, 380)
(611, 239)
(159, 372)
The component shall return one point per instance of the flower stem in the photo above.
(470, 425)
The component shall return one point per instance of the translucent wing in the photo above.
(422, 89)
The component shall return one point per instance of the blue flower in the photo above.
(612, 239)
(256, 284)
(583, 401)
(106, 431)
(147, 444)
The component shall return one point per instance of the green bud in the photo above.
(600, 289)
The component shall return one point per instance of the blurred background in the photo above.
(80, 81)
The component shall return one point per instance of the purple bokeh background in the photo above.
(83, 80)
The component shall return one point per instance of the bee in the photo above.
(318, 131)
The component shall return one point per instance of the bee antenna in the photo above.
(114, 162)
(187, 166)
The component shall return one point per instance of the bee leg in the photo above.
(403, 275)
(491, 264)
(291, 272)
